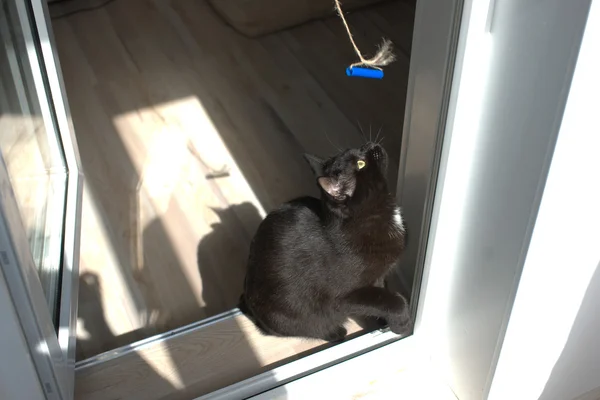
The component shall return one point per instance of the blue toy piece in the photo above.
(364, 72)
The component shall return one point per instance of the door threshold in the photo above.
(215, 353)
(304, 367)
(400, 370)
(155, 339)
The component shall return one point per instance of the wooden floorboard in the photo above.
(190, 365)
(189, 132)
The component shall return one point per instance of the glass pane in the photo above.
(30, 145)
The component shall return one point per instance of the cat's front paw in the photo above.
(400, 326)
(401, 322)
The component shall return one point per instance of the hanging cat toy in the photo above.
(367, 67)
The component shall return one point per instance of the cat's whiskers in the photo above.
(378, 132)
(362, 132)
(329, 140)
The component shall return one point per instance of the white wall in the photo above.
(577, 370)
(552, 347)
(514, 70)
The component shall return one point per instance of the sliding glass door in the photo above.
(31, 149)
(39, 195)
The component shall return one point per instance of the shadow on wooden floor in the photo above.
(222, 257)
(151, 373)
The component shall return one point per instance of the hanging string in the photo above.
(384, 55)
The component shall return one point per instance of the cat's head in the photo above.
(352, 176)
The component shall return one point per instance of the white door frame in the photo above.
(51, 349)
(563, 260)
(70, 275)
(512, 86)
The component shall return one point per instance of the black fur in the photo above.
(314, 263)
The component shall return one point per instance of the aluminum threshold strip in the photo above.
(184, 330)
(303, 367)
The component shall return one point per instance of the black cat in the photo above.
(314, 263)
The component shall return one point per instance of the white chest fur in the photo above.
(397, 221)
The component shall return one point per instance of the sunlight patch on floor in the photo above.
(161, 361)
(177, 143)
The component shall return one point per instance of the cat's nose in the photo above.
(368, 147)
(375, 149)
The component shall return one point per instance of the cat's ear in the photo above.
(316, 164)
(331, 186)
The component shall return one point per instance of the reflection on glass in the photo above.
(30, 146)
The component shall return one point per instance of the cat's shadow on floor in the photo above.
(222, 255)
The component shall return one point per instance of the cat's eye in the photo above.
(361, 164)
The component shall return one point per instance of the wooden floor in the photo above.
(189, 133)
